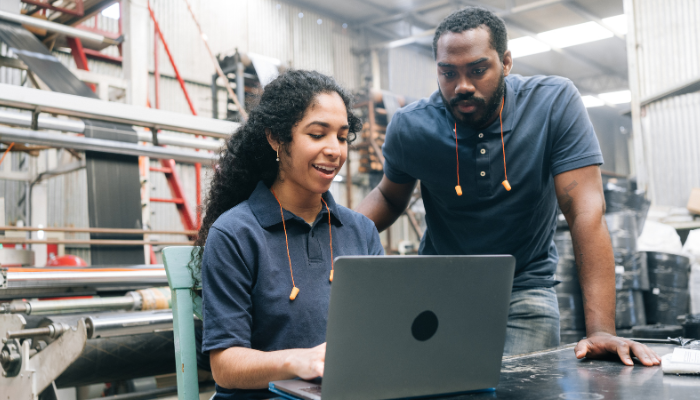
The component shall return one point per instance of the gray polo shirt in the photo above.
(546, 132)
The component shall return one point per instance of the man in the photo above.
(479, 200)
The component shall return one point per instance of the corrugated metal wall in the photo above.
(411, 72)
(271, 28)
(668, 54)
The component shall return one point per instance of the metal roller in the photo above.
(145, 299)
(92, 277)
(134, 323)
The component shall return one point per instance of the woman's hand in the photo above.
(306, 363)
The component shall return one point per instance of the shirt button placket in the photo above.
(483, 181)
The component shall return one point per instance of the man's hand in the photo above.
(307, 363)
(601, 344)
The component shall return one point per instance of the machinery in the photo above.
(121, 331)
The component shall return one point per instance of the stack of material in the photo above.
(571, 317)
(631, 274)
(668, 279)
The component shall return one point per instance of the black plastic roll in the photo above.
(121, 358)
(666, 262)
(691, 326)
(657, 331)
(622, 222)
(571, 315)
(632, 273)
(663, 305)
(629, 309)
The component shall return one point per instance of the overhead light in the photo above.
(621, 97)
(111, 11)
(592, 101)
(526, 45)
(575, 34)
(618, 23)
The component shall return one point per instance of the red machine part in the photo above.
(66, 261)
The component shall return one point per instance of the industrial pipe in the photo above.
(103, 146)
(43, 101)
(60, 29)
(47, 122)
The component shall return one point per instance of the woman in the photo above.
(271, 231)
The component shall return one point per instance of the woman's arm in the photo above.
(244, 368)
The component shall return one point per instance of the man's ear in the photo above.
(507, 62)
(274, 143)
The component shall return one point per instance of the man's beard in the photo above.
(491, 108)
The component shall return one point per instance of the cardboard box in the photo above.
(694, 201)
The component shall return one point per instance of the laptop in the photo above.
(412, 326)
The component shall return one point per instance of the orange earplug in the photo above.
(506, 185)
(295, 292)
(331, 278)
(458, 189)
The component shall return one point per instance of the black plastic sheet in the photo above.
(41, 62)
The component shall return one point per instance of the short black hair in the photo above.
(471, 18)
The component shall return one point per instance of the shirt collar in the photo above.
(495, 127)
(267, 210)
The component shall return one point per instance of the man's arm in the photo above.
(385, 204)
(580, 196)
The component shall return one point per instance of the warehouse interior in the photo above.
(114, 112)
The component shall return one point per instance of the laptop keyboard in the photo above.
(312, 389)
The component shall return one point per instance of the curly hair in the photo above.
(471, 18)
(247, 157)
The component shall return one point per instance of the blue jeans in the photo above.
(533, 321)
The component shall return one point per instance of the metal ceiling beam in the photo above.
(566, 52)
(585, 14)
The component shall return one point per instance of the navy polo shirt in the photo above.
(246, 280)
(546, 132)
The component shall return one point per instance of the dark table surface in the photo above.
(557, 374)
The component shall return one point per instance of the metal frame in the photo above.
(60, 29)
(79, 10)
(81, 107)
(103, 146)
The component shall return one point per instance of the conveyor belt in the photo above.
(41, 62)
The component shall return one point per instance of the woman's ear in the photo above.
(274, 143)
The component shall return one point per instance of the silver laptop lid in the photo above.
(416, 326)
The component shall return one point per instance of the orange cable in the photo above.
(330, 234)
(286, 241)
(6, 151)
(500, 118)
(457, 152)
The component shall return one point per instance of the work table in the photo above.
(557, 374)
